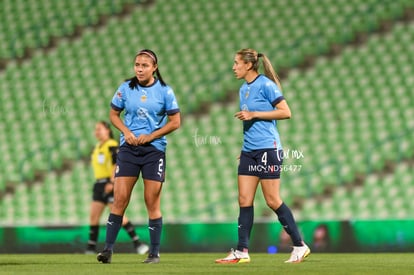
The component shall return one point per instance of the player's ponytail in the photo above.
(158, 74)
(250, 55)
(133, 82)
(269, 71)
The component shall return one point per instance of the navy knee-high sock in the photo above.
(288, 222)
(130, 229)
(93, 236)
(113, 225)
(155, 228)
(246, 217)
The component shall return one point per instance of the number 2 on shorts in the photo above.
(160, 167)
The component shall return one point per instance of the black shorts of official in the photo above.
(265, 163)
(133, 160)
(98, 193)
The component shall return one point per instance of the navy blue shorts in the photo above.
(265, 164)
(98, 193)
(132, 160)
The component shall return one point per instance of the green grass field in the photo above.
(203, 263)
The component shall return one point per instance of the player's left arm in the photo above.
(173, 123)
(282, 111)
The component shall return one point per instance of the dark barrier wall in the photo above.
(322, 236)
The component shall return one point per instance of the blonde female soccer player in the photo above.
(261, 106)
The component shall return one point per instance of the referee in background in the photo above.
(103, 160)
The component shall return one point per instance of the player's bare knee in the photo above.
(273, 203)
(152, 206)
(244, 202)
(119, 205)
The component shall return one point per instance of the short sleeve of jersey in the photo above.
(118, 102)
(171, 105)
(273, 93)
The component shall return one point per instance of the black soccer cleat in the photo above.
(152, 259)
(105, 256)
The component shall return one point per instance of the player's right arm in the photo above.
(115, 117)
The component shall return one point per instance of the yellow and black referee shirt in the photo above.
(103, 159)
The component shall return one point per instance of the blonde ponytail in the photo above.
(269, 71)
(250, 55)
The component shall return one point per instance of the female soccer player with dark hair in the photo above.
(151, 112)
(261, 105)
(103, 163)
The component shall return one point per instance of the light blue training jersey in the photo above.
(146, 109)
(262, 94)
